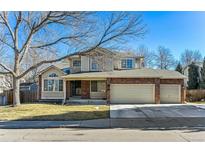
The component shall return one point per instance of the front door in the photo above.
(75, 88)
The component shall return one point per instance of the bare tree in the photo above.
(24, 32)
(164, 59)
(6, 81)
(147, 54)
(32, 58)
(189, 56)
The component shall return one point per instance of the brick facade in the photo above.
(85, 86)
(157, 91)
(108, 90)
(85, 89)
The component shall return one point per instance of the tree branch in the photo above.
(5, 73)
(7, 68)
(54, 42)
(4, 18)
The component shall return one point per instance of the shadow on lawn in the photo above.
(74, 119)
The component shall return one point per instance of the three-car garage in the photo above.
(146, 91)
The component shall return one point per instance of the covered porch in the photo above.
(85, 91)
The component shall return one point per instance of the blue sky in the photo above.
(176, 30)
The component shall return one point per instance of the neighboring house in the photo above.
(28, 86)
(111, 76)
(186, 71)
(1, 84)
(5, 83)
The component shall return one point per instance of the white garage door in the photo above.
(170, 93)
(132, 93)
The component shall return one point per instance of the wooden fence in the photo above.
(195, 95)
(25, 96)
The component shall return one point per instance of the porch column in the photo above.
(39, 87)
(68, 88)
(157, 91)
(64, 90)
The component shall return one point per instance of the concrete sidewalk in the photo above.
(138, 123)
(98, 123)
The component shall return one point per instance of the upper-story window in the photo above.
(53, 75)
(94, 66)
(76, 63)
(127, 63)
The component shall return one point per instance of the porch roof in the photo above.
(134, 73)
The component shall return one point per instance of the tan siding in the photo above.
(84, 63)
(98, 95)
(52, 95)
(49, 94)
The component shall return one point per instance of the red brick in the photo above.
(85, 89)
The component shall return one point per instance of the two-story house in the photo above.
(114, 77)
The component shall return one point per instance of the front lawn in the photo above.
(54, 112)
(199, 102)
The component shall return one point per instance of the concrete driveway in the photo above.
(154, 117)
(157, 111)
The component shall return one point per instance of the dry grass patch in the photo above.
(54, 112)
(199, 102)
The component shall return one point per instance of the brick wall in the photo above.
(85, 89)
(132, 80)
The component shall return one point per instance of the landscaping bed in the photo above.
(54, 112)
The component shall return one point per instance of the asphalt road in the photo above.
(93, 135)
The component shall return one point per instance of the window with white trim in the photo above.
(53, 85)
(94, 66)
(127, 63)
(98, 86)
(76, 63)
(53, 75)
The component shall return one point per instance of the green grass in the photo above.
(54, 112)
(202, 102)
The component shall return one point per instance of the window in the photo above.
(94, 66)
(76, 63)
(94, 87)
(53, 85)
(127, 63)
(53, 75)
(58, 85)
(98, 86)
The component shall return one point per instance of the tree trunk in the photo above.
(16, 92)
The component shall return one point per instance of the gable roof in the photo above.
(48, 68)
(135, 73)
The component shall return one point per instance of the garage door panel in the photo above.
(132, 93)
(170, 93)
